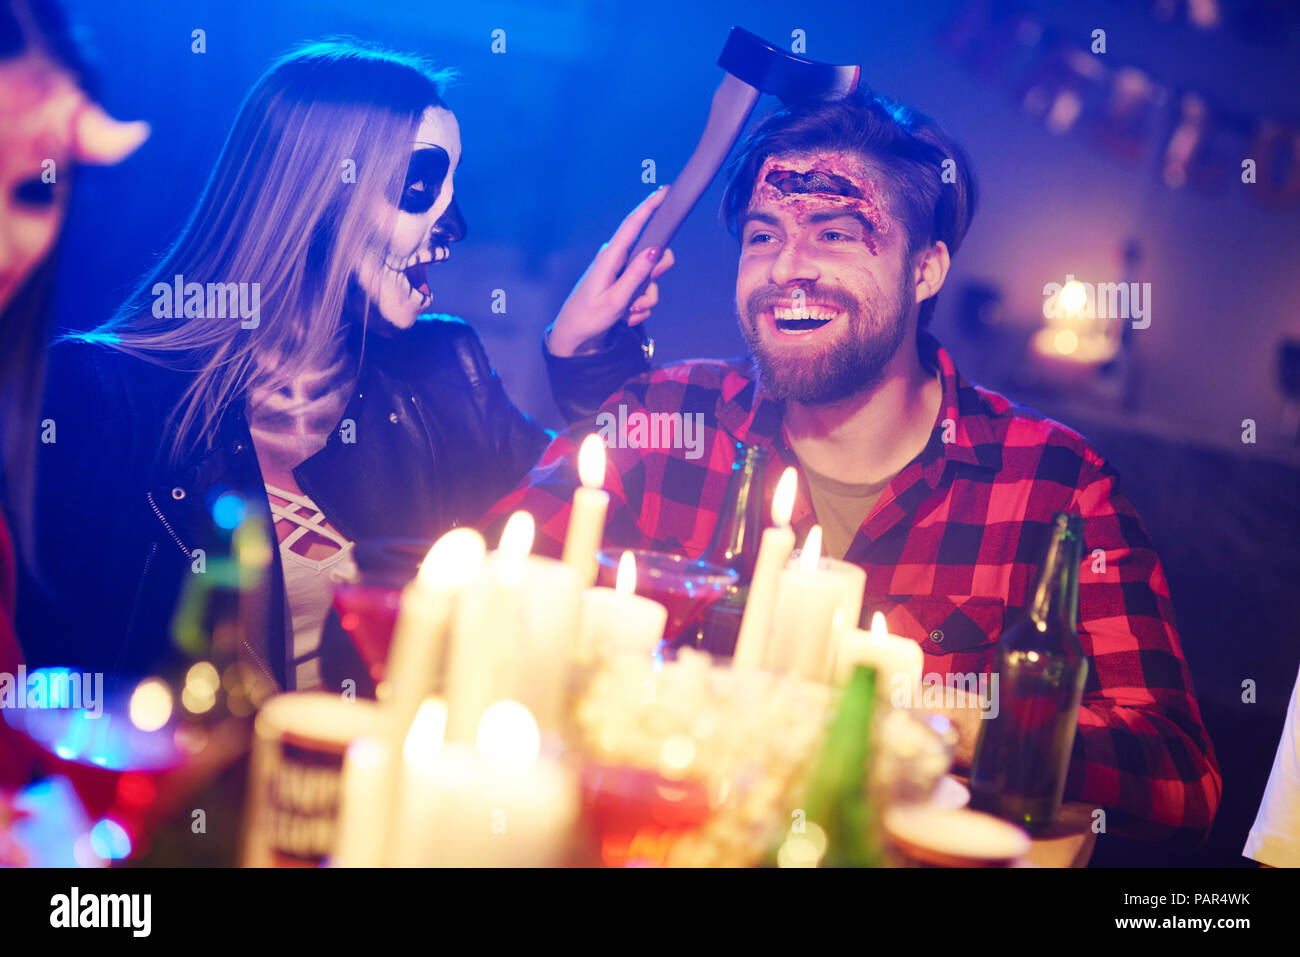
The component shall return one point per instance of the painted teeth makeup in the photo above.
(394, 271)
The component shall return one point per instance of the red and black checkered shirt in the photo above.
(950, 550)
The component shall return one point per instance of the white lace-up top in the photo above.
(289, 425)
(309, 583)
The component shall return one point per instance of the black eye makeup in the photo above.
(424, 178)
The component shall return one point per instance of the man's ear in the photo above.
(931, 270)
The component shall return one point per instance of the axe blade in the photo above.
(753, 67)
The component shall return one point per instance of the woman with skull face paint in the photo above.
(281, 351)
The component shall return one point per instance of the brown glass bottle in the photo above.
(734, 546)
(1023, 753)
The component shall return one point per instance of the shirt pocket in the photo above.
(957, 633)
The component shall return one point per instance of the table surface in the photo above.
(1070, 841)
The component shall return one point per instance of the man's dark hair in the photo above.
(907, 147)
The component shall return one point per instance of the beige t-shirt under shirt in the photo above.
(841, 507)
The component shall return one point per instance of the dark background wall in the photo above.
(556, 130)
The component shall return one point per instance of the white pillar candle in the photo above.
(808, 603)
(495, 804)
(364, 804)
(616, 620)
(414, 836)
(851, 580)
(487, 631)
(551, 602)
(898, 661)
(417, 658)
(587, 516)
(774, 548)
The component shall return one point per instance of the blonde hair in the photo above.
(319, 143)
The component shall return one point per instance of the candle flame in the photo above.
(591, 461)
(516, 543)
(427, 731)
(879, 630)
(367, 755)
(1073, 296)
(625, 584)
(811, 556)
(454, 559)
(508, 736)
(783, 500)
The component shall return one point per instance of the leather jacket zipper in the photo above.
(167, 525)
(257, 659)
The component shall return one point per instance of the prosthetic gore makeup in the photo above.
(825, 182)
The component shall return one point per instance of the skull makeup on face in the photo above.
(46, 124)
(393, 272)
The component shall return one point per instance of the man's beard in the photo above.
(852, 364)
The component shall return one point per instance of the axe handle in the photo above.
(732, 103)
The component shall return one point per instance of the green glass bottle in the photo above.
(734, 546)
(1023, 753)
(839, 796)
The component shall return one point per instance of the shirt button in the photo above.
(936, 636)
(392, 417)
(178, 493)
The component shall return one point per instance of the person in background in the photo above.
(848, 214)
(50, 121)
(1274, 839)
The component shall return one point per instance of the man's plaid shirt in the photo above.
(950, 550)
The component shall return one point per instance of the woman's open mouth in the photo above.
(417, 269)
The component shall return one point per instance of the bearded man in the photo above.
(848, 215)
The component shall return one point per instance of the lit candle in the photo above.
(773, 550)
(617, 620)
(551, 599)
(515, 634)
(807, 610)
(417, 658)
(852, 582)
(899, 661)
(587, 517)
(415, 832)
(494, 804)
(364, 795)
(488, 626)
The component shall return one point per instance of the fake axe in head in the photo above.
(753, 67)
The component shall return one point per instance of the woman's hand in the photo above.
(603, 295)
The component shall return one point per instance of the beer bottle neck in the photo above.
(1055, 599)
(735, 537)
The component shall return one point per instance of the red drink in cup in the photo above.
(686, 587)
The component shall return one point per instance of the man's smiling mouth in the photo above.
(803, 319)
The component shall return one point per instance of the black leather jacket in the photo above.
(436, 441)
